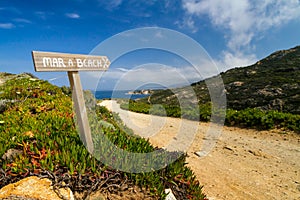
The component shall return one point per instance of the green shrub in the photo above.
(255, 118)
(249, 117)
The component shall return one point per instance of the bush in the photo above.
(248, 118)
(255, 118)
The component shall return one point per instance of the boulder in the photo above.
(34, 188)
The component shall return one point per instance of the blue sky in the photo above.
(233, 33)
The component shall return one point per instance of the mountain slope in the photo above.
(270, 84)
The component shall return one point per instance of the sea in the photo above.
(118, 94)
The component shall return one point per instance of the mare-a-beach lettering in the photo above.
(91, 62)
(50, 61)
(53, 62)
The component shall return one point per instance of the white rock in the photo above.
(170, 195)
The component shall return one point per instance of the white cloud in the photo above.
(11, 9)
(22, 20)
(187, 22)
(116, 3)
(229, 60)
(7, 25)
(111, 5)
(40, 14)
(43, 15)
(72, 15)
(243, 20)
(151, 73)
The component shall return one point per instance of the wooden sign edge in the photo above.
(47, 69)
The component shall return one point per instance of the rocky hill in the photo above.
(272, 83)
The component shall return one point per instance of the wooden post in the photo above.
(73, 63)
(80, 109)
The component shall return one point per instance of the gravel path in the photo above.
(244, 164)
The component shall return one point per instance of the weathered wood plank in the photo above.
(50, 61)
(81, 112)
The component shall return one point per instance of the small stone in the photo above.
(170, 195)
(29, 134)
(255, 153)
(2, 105)
(201, 153)
(228, 148)
(10, 154)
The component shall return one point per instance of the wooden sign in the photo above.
(72, 63)
(49, 61)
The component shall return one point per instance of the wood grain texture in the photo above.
(81, 112)
(50, 61)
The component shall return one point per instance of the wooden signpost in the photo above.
(73, 63)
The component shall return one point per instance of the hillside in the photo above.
(272, 83)
(38, 137)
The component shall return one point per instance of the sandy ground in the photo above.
(244, 164)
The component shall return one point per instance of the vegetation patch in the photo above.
(38, 122)
(247, 118)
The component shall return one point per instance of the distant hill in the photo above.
(272, 83)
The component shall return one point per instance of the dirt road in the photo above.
(244, 164)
